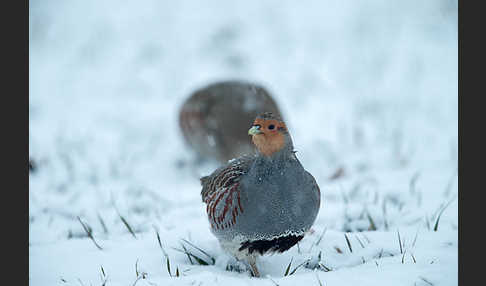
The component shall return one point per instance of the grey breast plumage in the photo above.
(280, 199)
(254, 199)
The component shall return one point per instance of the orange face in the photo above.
(268, 135)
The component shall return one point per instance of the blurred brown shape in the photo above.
(337, 174)
(215, 119)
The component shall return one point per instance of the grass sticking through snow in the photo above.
(104, 278)
(127, 225)
(318, 240)
(297, 267)
(372, 223)
(288, 267)
(208, 260)
(360, 243)
(348, 242)
(400, 242)
(103, 225)
(426, 281)
(89, 232)
(436, 226)
(318, 280)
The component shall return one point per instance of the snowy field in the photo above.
(369, 91)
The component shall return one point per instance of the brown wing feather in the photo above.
(221, 192)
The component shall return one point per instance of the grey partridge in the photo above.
(261, 203)
(214, 119)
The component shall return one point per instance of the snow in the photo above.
(366, 87)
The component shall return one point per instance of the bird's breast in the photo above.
(277, 202)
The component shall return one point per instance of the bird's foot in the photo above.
(241, 266)
(236, 266)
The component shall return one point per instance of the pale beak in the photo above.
(254, 130)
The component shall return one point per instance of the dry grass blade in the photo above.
(160, 243)
(298, 266)
(450, 183)
(400, 242)
(104, 278)
(318, 240)
(348, 242)
(372, 223)
(326, 269)
(318, 280)
(127, 226)
(136, 280)
(381, 253)
(385, 223)
(367, 239)
(202, 251)
(426, 281)
(168, 266)
(136, 268)
(413, 257)
(413, 182)
(198, 259)
(288, 267)
(272, 281)
(436, 226)
(359, 240)
(103, 225)
(403, 256)
(320, 237)
(415, 238)
(188, 256)
(88, 231)
(177, 272)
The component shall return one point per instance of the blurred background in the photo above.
(368, 90)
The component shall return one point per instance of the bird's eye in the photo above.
(271, 127)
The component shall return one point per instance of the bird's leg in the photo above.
(252, 262)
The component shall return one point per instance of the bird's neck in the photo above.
(277, 160)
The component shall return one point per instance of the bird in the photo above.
(214, 119)
(261, 203)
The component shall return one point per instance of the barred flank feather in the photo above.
(221, 192)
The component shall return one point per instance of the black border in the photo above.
(14, 138)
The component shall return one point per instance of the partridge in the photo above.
(214, 119)
(261, 203)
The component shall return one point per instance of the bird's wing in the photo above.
(221, 192)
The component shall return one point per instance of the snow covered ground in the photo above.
(368, 87)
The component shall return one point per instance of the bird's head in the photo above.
(270, 135)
